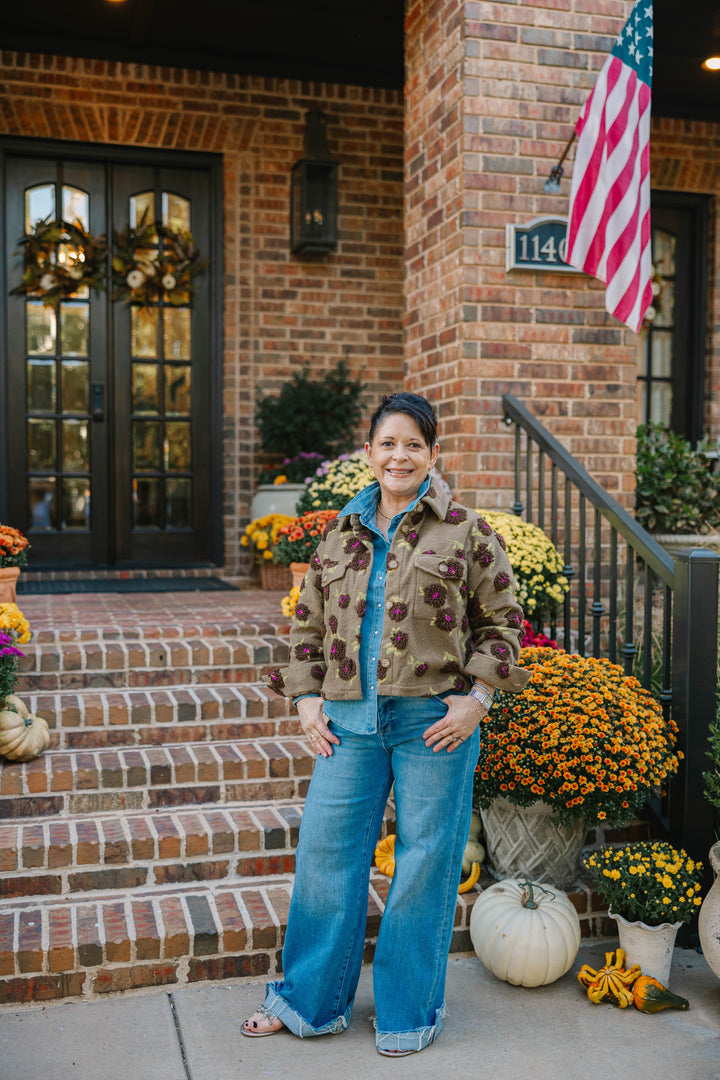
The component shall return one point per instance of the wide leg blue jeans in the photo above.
(325, 938)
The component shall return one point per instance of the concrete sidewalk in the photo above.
(193, 1033)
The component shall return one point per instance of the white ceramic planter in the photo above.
(528, 842)
(649, 946)
(275, 499)
(709, 921)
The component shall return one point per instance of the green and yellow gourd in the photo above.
(650, 996)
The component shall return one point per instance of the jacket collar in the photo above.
(436, 498)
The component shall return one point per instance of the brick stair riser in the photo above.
(154, 777)
(155, 717)
(141, 850)
(138, 678)
(65, 948)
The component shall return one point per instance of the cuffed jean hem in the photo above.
(410, 1040)
(297, 1023)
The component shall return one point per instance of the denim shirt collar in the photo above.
(365, 503)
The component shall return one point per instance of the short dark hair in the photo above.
(414, 405)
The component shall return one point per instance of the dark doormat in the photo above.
(124, 585)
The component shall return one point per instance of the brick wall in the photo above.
(685, 156)
(280, 310)
(493, 92)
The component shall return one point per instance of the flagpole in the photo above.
(552, 184)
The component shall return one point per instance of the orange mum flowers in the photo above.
(582, 736)
(13, 547)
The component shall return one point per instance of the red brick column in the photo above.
(492, 95)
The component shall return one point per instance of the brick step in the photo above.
(157, 716)
(69, 946)
(75, 665)
(137, 850)
(146, 778)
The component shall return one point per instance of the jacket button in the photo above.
(385, 662)
(442, 567)
(389, 604)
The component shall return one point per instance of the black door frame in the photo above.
(139, 156)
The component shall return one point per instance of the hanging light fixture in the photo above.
(313, 192)
(712, 63)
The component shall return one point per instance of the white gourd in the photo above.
(524, 933)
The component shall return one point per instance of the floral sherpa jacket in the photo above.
(451, 613)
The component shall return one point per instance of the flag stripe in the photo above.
(609, 218)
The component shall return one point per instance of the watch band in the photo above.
(482, 695)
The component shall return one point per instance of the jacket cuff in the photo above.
(297, 681)
(503, 676)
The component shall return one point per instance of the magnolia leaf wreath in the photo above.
(59, 258)
(154, 262)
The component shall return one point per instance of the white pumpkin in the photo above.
(22, 736)
(524, 933)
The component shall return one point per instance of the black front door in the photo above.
(109, 404)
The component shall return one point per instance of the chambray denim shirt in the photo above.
(360, 716)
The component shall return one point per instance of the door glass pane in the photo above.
(41, 329)
(39, 204)
(663, 252)
(41, 497)
(74, 329)
(143, 332)
(176, 327)
(146, 492)
(146, 445)
(75, 389)
(76, 207)
(175, 212)
(142, 208)
(145, 393)
(179, 502)
(662, 350)
(75, 447)
(177, 389)
(75, 504)
(177, 446)
(41, 385)
(41, 445)
(660, 403)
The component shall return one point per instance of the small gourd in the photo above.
(385, 862)
(610, 983)
(524, 933)
(22, 736)
(650, 996)
(466, 886)
(474, 850)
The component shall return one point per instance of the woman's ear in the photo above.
(434, 455)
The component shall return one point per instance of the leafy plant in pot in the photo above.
(676, 490)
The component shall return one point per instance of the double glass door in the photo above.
(108, 400)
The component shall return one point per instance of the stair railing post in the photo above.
(694, 683)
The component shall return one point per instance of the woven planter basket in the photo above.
(527, 842)
(275, 577)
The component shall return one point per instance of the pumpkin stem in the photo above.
(530, 902)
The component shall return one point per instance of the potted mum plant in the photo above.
(22, 736)
(13, 556)
(298, 540)
(582, 744)
(336, 482)
(651, 888)
(260, 535)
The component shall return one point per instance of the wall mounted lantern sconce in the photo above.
(313, 192)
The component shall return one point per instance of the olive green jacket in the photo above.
(451, 613)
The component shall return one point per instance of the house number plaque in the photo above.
(539, 244)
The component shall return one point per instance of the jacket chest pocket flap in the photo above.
(439, 580)
(329, 575)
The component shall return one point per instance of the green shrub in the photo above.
(676, 491)
(311, 415)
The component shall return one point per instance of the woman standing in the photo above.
(405, 625)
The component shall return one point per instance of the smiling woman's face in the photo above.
(400, 457)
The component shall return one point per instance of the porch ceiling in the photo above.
(358, 42)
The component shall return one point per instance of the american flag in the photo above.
(609, 221)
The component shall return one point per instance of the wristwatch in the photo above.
(482, 695)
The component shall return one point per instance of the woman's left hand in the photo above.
(463, 716)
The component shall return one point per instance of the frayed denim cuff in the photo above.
(297, 1023)
(409, 1040)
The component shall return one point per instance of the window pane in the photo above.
(177, 446)
(175, 212)
(41, 329)
(146, 498)
(41, 445)
(39, 204)
(41, 496)
(142, 206)
(75, 389)
(74, 329)
(75, 446)
(176, 325)
(660, 403)
(179, 497)
(662, 353)
(177, 390)
(41, 385)
(143, 332)
(665, 305)
(75, 504)
(76, 207)
(145, 394)
(663, 245)
(146, 445)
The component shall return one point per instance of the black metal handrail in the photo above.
(672, 646)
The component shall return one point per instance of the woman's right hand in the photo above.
(312, 721)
